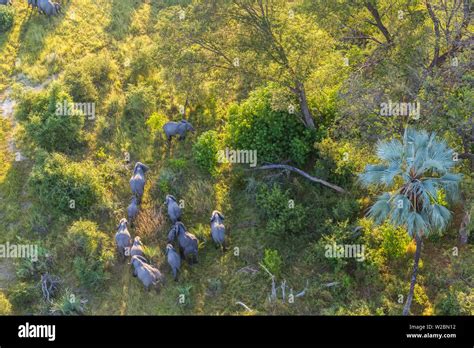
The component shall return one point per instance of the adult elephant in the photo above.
(48, 7)
(137, 182)
(177, 128)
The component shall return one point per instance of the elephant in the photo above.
(174, 211)
(177, 128)
(6, 2)
(188, 243)
(137, 182)
(218, 229)
(123, 238)
(173, 260)
(132, 210)
(148, 274)
(48, 7)
(137, 247)
(171, 235)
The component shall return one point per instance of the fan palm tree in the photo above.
(417, 175)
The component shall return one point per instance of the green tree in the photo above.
(418, 172)
(258, 41)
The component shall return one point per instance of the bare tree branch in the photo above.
(302, 173)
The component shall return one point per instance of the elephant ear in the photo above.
(135, 168)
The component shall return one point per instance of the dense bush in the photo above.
(67, 304)
(282, 215)
(91, 78)
(7, 17)
(140, 102)
(93, 253)
(205, 151)
(340, 161)
(23, 295)
(455, 303)
(5, 305)
(47, 126)
(272, 261)
(156, 122)
(275, 135)
(56, 181)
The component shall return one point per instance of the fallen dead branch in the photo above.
(304, 174)
(244, 305)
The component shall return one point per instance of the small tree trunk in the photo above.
(307, 116)
(406, 309)
(463, 230)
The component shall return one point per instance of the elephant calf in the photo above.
(137, 182)
(177, 128)
(188, 243)
(148, 274)
(123, 238)
(137, 247)
(174, 211)
(132, 210)
(173, 260)
(218, 229)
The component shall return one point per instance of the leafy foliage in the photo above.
(48, 125)
(7, 16)
(205, 151)
(275, 135)
(283, 216)
(5, 305)
(72, 188)
(93, 253)
(272, 261)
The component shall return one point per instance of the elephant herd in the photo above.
(186, 242)
(46, 7)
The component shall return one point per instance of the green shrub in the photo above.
(156, 122)
(91, 78)
(29, 269)
(455, 303)
(7, 17)
(272, 261)
(93, 253)
(340, 161)
(140, 102)
(5, 305)
(283, 216)
(275, 135)
(72, 188)
(45, 124)
(205, 151)
(322, 251)
(67, 304)
(395, 241)
(23, 295)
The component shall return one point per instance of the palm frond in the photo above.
(449, 182)
(400, 209)
(381, 208)
(390, 151)
(416, 224)
(439, 217)
(373, 174)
